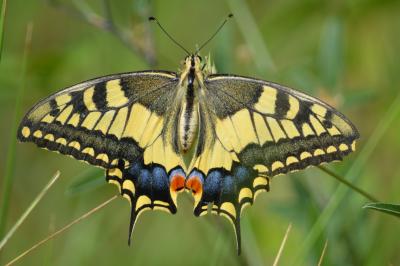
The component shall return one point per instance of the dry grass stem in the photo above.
(29, 210)
(81, 10)
(278, 256)
(66, 227)
(323, 253)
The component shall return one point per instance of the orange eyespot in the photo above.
(194, 184)
(177, 183)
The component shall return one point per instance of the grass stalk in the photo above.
(2, 22)
(61, 230)
(278, 256)
(10, 158)
(83, 11)
(321, 258)
(29, 210)
(347, 183)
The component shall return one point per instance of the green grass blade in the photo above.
(392, 209)
(353, 174)
(3, 8)
(10, 158)
(348, 184)
(252, 35)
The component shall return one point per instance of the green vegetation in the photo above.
(393, 209)
(344, 52)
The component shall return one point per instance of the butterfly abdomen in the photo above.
(188, 120)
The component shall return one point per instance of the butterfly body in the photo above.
(219, 137)
(189, 113)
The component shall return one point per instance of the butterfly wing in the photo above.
(120, 123)
(260, 130)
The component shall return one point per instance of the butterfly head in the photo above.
(192, 61)
(198, 65)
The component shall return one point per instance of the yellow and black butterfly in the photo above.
(220, 137)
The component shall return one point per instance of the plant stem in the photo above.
(347, 183)
(2, 22)
(278, 256)
(61, 230)
(323, 253)
(29, 210)
(82, 10)
(10, 159)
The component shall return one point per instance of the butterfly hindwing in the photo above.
(146, 186)
(262, 129)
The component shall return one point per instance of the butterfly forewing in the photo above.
(101, 120)
(277, 127)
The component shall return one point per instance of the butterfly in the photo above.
(220, 137)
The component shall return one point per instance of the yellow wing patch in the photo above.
(114, 94)
(282, 130)
(106, 119)
(266, 102)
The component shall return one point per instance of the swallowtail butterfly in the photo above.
(220, 137)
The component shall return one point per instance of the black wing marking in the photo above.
(275, 126)
(93, 121)
(261, 129)
(119, 123)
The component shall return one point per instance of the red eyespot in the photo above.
(177, 183)
(194, 184)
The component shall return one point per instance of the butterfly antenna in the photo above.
(169, 36)
(215, 33)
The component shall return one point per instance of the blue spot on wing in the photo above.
(144, 182)
(228, 189)
(135, 168)
(160, 180)
(212, 186)
(198, 174)
(224, 186)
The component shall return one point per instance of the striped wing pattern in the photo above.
(102, 120)
(249, 131)
(261, 129)
(117, 123)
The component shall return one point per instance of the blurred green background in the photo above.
(345, 52)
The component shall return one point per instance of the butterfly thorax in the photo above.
(191, 79)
